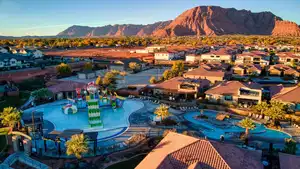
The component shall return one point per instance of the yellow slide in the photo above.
(119, 97)
(21, 134)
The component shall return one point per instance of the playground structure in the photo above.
(70, 109)
(93, 99)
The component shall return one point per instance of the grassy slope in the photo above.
(130, 164)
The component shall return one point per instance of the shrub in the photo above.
(168, 122)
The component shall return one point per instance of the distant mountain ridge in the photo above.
(113, 30)
(200, 21)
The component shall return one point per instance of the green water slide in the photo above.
(94, 113)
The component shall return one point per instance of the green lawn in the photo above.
(130, 164)
(14, 101)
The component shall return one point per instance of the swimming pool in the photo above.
(114, 120)
(213, 128)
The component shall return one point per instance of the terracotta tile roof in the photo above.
(205, 72)
(169, 144)
(280, 67)
(249, 66)
(239, 158)
(289, 55)
(221, 51)
(252, 54)
(66, 86)
(216, 65)
(201, 152)
(177, 151)
(288, 161)
(232, 87)
(291, 96)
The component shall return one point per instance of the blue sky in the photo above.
(49, 17)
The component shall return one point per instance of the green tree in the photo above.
(162, 111)
(77, 146)
(177, 67)
(135, 67)
(10, 116)
(88, 66)
(247, 124)
(152, 80)
(64, 69)
(98, 81)
(260, 108)
(276, 111)
(109, 80)
(42, 94)
(168, 74)
(290, 146)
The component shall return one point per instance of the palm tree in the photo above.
(135, 67)
(10, 116)
(77, 145)
(162, 111)
(247, 124)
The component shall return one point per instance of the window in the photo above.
(12, 62)
(212, 56)
(297, 107)
(288, 60)
(217, 56)
(228, 98)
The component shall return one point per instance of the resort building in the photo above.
(177, 151)
(164, 55)
(155, 48)
(65, 89)
(290, 97)
(221, 55)
(123, 64)
(9, 61)
(192, 58)
(235, 92)
(3, 50)
(210, 71)
(283, 70)
(246, 70)
(180, 88)
(289, 58)
(255, 57)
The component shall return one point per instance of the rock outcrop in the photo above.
(200, 21)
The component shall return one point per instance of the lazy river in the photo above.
(214, 129)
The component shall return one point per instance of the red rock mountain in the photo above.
(200, 21)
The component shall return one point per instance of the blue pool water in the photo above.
(213, 128)
(114, 120)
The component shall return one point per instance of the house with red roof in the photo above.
(166, 55)
(222, 55)
(212, 71)
(246, 69)
(289, 58)
(179, 88)
(235, 92)
(283, 70)
(65, 89)
(178, 151)
(254, 57)
(290, 97)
